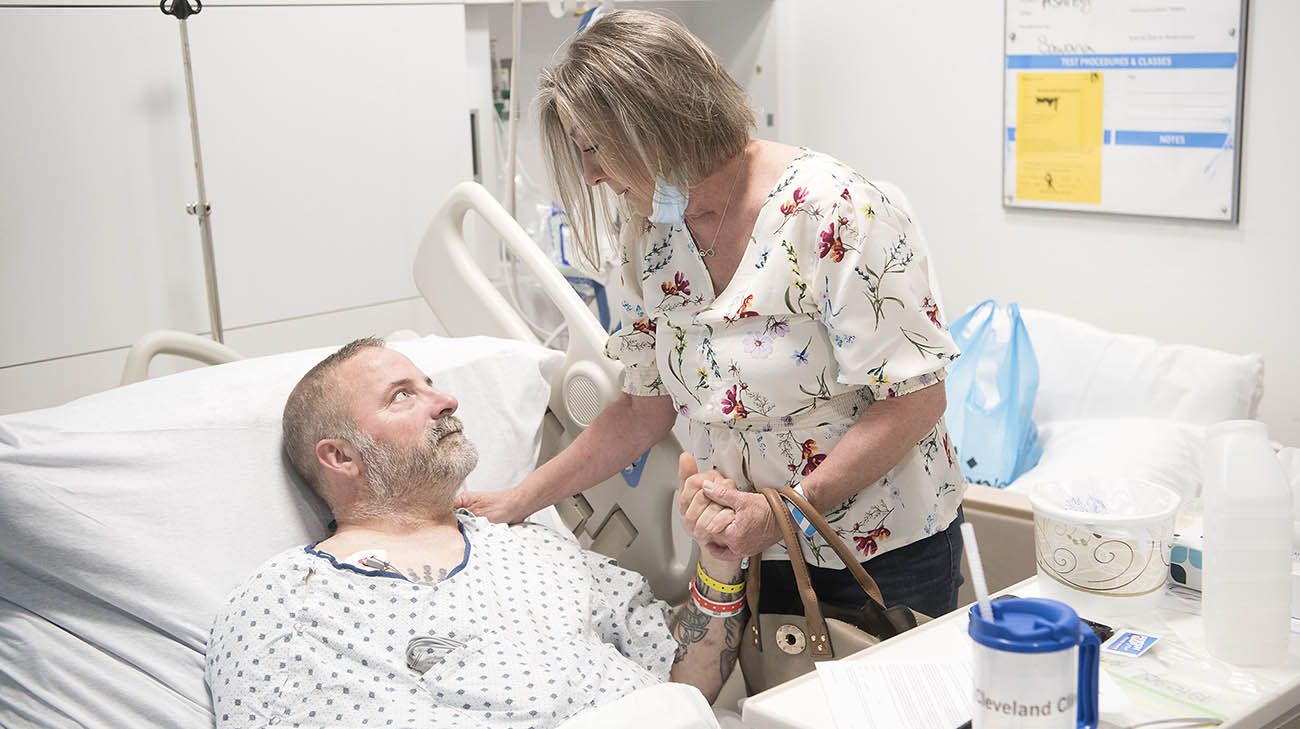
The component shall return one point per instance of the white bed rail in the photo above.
(635, 524)
(170, 341)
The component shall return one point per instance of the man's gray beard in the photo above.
(416, 482)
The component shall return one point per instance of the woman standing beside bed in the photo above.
(773, 297)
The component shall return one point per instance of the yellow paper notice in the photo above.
(1058, 137)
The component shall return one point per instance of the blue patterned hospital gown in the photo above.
(548, 629)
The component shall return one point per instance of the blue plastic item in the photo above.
(991, 390)
(590, 289)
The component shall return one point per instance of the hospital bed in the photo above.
(127, 516)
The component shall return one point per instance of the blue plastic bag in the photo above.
(991, 390)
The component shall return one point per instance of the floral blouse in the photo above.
(830, 309)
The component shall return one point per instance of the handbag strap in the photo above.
(819, 644)
(753, 581)
(824, 528)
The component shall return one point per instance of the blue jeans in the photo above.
(923, 575)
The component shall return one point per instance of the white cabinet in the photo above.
(326, 159)
(95, 246)
(330, 133)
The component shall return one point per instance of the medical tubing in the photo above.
(516, 20)
(508, 262)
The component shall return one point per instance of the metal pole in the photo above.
(515, 32)
(201, 209)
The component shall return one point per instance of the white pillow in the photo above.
(1166, 452)
(127, 516)
(1086, 372)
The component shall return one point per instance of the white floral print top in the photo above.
(830, 309)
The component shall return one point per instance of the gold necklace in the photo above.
(712, 249)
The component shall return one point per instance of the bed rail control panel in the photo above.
(614, 536)
(574, 512)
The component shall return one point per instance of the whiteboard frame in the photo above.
(1234, 215)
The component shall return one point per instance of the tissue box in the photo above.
(1185, 556)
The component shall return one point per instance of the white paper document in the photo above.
(865, 695)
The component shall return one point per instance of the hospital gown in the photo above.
(829, 310)
(547, 628)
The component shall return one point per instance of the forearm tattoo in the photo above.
(691, 627)
(735, 628)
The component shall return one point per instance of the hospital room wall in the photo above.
(330, 135)
(912, 93)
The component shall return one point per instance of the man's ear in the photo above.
(336, 455)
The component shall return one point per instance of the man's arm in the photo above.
(707, 646)
(709, 627)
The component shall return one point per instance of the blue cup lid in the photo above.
(1026, 625)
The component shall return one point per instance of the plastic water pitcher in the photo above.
(1035, 666)
(1246, 584)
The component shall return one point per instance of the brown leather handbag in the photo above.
(780, 646)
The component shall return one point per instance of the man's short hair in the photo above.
(316, 411)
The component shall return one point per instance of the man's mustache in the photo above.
(442, 427)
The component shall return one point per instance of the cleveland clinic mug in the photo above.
(1035, 667)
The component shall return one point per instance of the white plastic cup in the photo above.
(1035, 667)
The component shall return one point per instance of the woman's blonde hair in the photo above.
(653, 99)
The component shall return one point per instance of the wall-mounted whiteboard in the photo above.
(1124, 107)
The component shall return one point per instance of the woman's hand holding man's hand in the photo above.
(729, 523)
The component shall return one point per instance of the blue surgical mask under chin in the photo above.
(669, 204)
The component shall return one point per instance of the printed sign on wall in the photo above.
(1124, 106)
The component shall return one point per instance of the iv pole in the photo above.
(182, 9)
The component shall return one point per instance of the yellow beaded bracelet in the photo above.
(713, 584)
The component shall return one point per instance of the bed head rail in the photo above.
(169, 341)
(631, 517)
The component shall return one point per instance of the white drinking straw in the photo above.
(976, 570)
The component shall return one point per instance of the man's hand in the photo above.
(730, 524)
(752, 526)
(502, 507)
(704, 520)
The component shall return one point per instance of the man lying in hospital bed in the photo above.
(129, 515)
(413, 613)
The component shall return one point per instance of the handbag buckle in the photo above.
(790, 639)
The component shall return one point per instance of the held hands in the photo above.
(730, 524)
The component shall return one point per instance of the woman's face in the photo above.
(593, 173)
